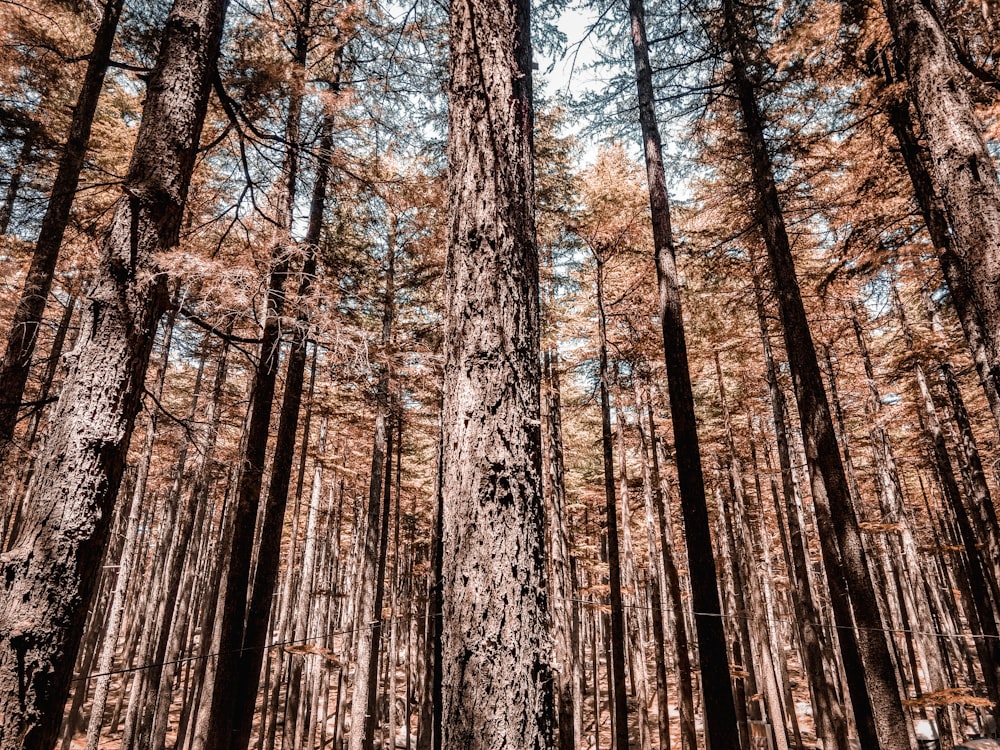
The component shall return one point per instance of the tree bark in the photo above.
(917, 162)
(830, 720)
(617, 614)
(228, 730)
(370, 560)
(269, 550)
(30, 308)
(48, 575)
(962, 168)
(497, 677)
(561, 584)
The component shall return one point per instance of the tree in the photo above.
(963, 170)
(497, 679)
(49, 573)
(871, 675)
(23, 333)
(720, 710)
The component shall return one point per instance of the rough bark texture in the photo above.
(37, 284)
(962, 168)
(495, 645)
(917, 161)
(47, 578)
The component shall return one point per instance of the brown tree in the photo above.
(48, 575)
(495, 643)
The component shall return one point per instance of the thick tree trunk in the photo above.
(30, 308)
(720, 711)
(917, 161)
(496, 651)
(962, 168)
(48, 575)
(871, 675)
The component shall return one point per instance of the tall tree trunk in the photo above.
(982, 584)
(830, 720)
(561, 582)
(371, 546)
(269, 551)
(675, 596)
(617, 614)
(871, 675)
(917, 162)
(126, 561)
(720, 709)
(48, 575)
(749, 614)
(962, 167)
(497, 677)
(228, 730)
(30, 308)
(657, 584)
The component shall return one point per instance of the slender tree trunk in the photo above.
(30, 308)
(980, 498)
(749, 614)
(190, 523)
(871, 675)
(496, 652)
(20, 484)
(16, 175)
(560, 578)
(617, 614)
(720, 711)
(830, 720)
(48, 575)
(269, 550)
(983, 586)
(679, 620)
(112, 627)
(371, 561)
(657, 584)
(229, 730)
